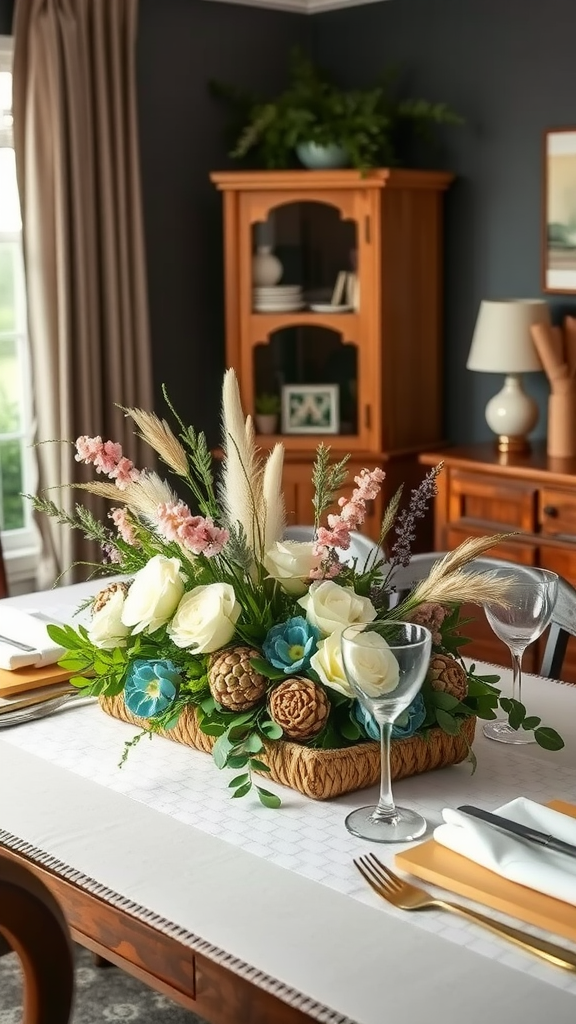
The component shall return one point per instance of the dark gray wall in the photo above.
(6, 8)
(181, 45)
(508, 66)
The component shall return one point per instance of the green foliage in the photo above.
(267, 404)
(313, 108)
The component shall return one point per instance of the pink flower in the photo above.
(107, 458)
(196, 533)
(123, 524)
(352, 512)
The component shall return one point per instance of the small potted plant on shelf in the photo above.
(321, 124)
(267, 413)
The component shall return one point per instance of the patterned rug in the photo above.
(104, 995)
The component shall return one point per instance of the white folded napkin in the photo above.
(514, 858)
(23, 627)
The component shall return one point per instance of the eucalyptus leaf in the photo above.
(253, 744)
(242, 790)
(238, 780)
(267, 798)
(221, 750)
(271, 730)
(237, 760)
(258, 766)
(531, 722)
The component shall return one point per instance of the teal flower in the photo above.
(405, 725)
(151, 686)
(290, 645)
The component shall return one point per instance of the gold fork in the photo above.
(409, 897)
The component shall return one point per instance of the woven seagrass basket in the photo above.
(322, 774)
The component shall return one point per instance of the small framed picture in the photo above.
(559, 227)
(310, 409)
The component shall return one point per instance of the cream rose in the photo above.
(290, 562)
(107, 629)
(329, 606)
(371, 664)
(327, 662)
(154, 594)
(205, 618)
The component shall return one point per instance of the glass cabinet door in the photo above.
(306, 317)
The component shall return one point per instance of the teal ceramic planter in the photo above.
(321, 158)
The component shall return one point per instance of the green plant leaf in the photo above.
(221, 750)
(253, 744)
(237, 760)
(238, 780)
(266, 669)
(516, 715)
(271, 730)
(548, 738)
(267, 798)
(242, 790)
(447, 722)
(212, 728)
(258, 766)
(531, 722)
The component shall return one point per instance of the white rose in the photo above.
(290, 562)
(107, 629)
(154, 594)
(205, 618)
(327, 662)
(329, 606)
(371, 664)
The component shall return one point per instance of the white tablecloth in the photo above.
(277, 890)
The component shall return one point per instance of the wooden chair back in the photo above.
(33, 925)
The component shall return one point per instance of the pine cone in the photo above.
(300, 707)
(103, 596)
(447, 674)
(232, 680)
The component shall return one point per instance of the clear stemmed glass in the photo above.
(529, 605)
(385, 664)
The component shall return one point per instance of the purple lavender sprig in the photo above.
(405, 528)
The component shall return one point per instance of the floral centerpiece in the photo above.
(224, 622)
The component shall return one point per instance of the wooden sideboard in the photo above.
(482, 491)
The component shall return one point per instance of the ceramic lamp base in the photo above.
(512, 414)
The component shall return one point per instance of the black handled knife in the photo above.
(525, 831)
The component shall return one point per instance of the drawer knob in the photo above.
(550, 510)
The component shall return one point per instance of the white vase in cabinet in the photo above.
(266, 267)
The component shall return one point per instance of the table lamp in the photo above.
(502, 343)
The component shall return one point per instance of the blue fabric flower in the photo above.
(290, 645)
(405, 725)
(151, 686)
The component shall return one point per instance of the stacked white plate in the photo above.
(278, 298)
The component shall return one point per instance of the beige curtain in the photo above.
(76, 141)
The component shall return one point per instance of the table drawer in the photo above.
(557, 512)
(508, 504)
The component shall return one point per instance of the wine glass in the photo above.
(385, 664)
(530, 602)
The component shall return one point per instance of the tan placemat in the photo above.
(23, 679)
(435, 863)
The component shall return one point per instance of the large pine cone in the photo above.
(448, 675)
(299, 707)
(232, 680)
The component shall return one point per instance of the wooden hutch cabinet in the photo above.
(482, 491)
(382, 352)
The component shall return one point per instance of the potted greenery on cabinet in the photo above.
(323, 125)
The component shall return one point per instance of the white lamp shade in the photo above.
(502, 341)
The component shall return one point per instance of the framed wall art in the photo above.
(310, 409)
(559, 227)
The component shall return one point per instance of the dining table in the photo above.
(248, 914)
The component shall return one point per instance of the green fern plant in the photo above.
(312, 108)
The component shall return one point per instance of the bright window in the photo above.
(17, 464)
